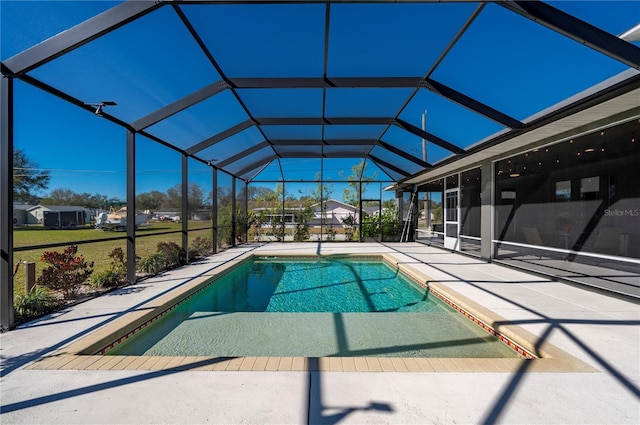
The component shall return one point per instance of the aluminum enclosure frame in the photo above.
(20, 65)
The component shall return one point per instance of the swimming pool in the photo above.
(314, 285)
(313, 307)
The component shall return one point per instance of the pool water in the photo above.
(321, 286)
(314, 308)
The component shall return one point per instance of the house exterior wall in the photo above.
(573, 203)
(20, 217)
(35, 215)
(334, 214)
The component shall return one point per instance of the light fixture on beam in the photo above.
(101, 105)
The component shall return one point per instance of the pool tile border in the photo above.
(424, 282)
(87, 353)
(310, 364)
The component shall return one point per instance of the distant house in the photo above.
(335, 211)
(20, 214)
(287, 216)
(60, 216)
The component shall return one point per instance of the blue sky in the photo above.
(503, 60)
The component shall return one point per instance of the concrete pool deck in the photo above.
(601, 331)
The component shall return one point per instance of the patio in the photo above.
(601, 331)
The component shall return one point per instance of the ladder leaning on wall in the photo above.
(407, 224)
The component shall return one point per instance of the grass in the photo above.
(38, 235)
(98, 252)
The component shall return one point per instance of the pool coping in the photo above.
(537, 356)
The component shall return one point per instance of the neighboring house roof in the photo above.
(59, 208)
(371, 210)
(22, 207)
(335, 201)
(286, 209)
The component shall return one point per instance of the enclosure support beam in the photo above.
(578, 30)
(323, 205)
(319, 83)
(131, 207)
(486, 210)
(246, 212)
(242, 154)
(472, 104)
(324, 121)
(233, 211)
(180, 105)
(284, 192)
(255, 165)
(219, 137)
(388, 165)
(430, 137)
(360, 239)
(185, 206)
(6, 204)
(80, 35)
(404, 154)
(214, 211)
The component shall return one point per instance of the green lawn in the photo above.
(98, 252)
(37, 235)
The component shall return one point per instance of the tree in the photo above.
(274, 197)
(96, 201)
(64, 196)
(321, 194)
(174, 197)
(350, 194)
(224, 195)
(196, 197)
(28, 178)
(257, 196)
(60, 196)
(153, 200)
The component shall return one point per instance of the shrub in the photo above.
(278, 228)
(243, 222)
(331, 233)
(225, 235)
(171, 254)
(349, 224)
(36, 302)
(301, 232)
(118, 259)
(116, 274)
(200, 247)
(257, 221)
(108, 278)
(391, 225)
(167, 256)
(66, 271)
(151, 263)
